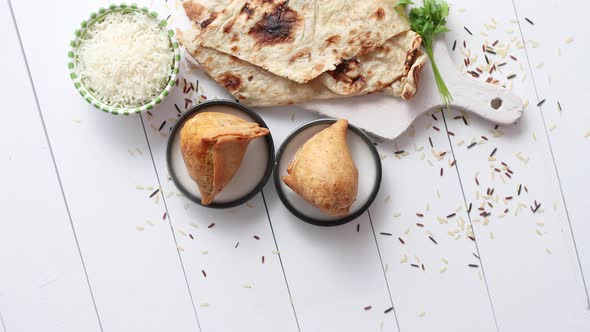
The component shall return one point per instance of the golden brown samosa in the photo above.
(213, 146)
(323, 172)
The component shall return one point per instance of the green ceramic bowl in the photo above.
(73, 60)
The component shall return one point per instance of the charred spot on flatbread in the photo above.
(379, 14)
(246, 10)
(228, 26)
(412, 54)
(348, 71)
(332, 40)
(306, 53)
(276, 27)
(194, 10)
(366, 42)
(230, 81)
(209, 20)
(410, 59)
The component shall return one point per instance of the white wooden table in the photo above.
(84, 248)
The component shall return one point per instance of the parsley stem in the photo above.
(429, 21)
(440, 83)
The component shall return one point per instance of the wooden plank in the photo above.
(136, 275)
(325, 297)
(431, 283)
(239, 291)
(524, 253)
(560, 78)
(2, 326)
(233, 288)
(333, 273)
(42, 276)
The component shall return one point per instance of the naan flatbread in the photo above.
(301, 39)
(391, 69)
(255, 86)
(248, 83)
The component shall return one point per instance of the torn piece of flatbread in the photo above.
(382, 69)
(301, 39)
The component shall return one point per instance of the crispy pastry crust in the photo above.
(213, 146)
(323, 172)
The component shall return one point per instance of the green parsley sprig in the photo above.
(429, 21)
(401, 5)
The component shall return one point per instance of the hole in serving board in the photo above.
(496, 103)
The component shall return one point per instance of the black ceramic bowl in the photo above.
(254, 171)
(367, 161)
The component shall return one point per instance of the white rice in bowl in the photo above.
(125, 60)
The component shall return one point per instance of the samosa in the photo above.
(323, 172)
(213, 145)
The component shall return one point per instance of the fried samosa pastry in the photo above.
(323, 172)
(213, 146)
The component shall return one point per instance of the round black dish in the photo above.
(345, 219)
(203, 107)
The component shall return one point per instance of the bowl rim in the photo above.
(201, 108)
(73, 54)
(348, 218)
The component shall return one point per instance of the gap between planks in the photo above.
(176, 243)
(2, 323)
(552, 156)
(280, 260)
(32, 84)
(481, 263)
(188, 288)
(383, 269)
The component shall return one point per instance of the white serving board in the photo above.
(389, 117)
